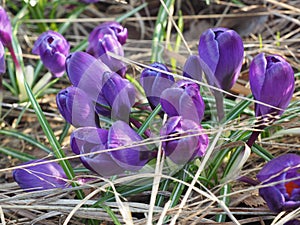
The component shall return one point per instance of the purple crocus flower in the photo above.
(110, 44)
(53, 49)
(86, 72)
(5, 28)
(272, 82)
(76, 107)
(221, 54)
(187, 139)
(192, 68)
(111, 28)
(113, 95)
(48, 175)
(2, 59)
(109, 37)
(282, 194)
(183, 99)
(99, 141)
(155, 82)
(116, 98)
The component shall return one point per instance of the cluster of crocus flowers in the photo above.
(53, 49)
(183, 137)
(96, 91)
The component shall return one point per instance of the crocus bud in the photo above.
(2, 59)
(53, 49)
(272, 82)
(155, 82)
(109, 44)
(76, 107)
(282, 175)
(95, 144)
(111, 28)
(47, 175)
(192, 68)
(109, 37)
(183, 99)
(187, 139)
(221, 54)
(5, 28)
(116, 97)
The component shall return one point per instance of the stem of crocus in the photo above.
(138, 125)
(253, 138)
(19, 74)
(220, 105)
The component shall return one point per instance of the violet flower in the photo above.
(188, 139)
(155, 82)
(76, 107)
(112, 94)
(282, 194)
(116, 97)
(111, 28)
(97, 143)
(86, 72)
(5, 29)
(109, 44)
(272, 82)
(2, 59)
(192, 68)
(44, 176)
(221, 54)
(53, 49)
(183, 99)
(109, 37)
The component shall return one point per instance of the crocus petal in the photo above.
(128, 156)
(273, 197)
(111, 28)
(209, 54)
(86, 72)
(231, 52)
(155, 82)
(48, 175)
(257, 72)
(76, 107)
(278, 165)
(109, 44)
(184, 100)
(2, 59)
(5, 28)
(120, 94)
(89, 140)
(192, 68)
(190, 142)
